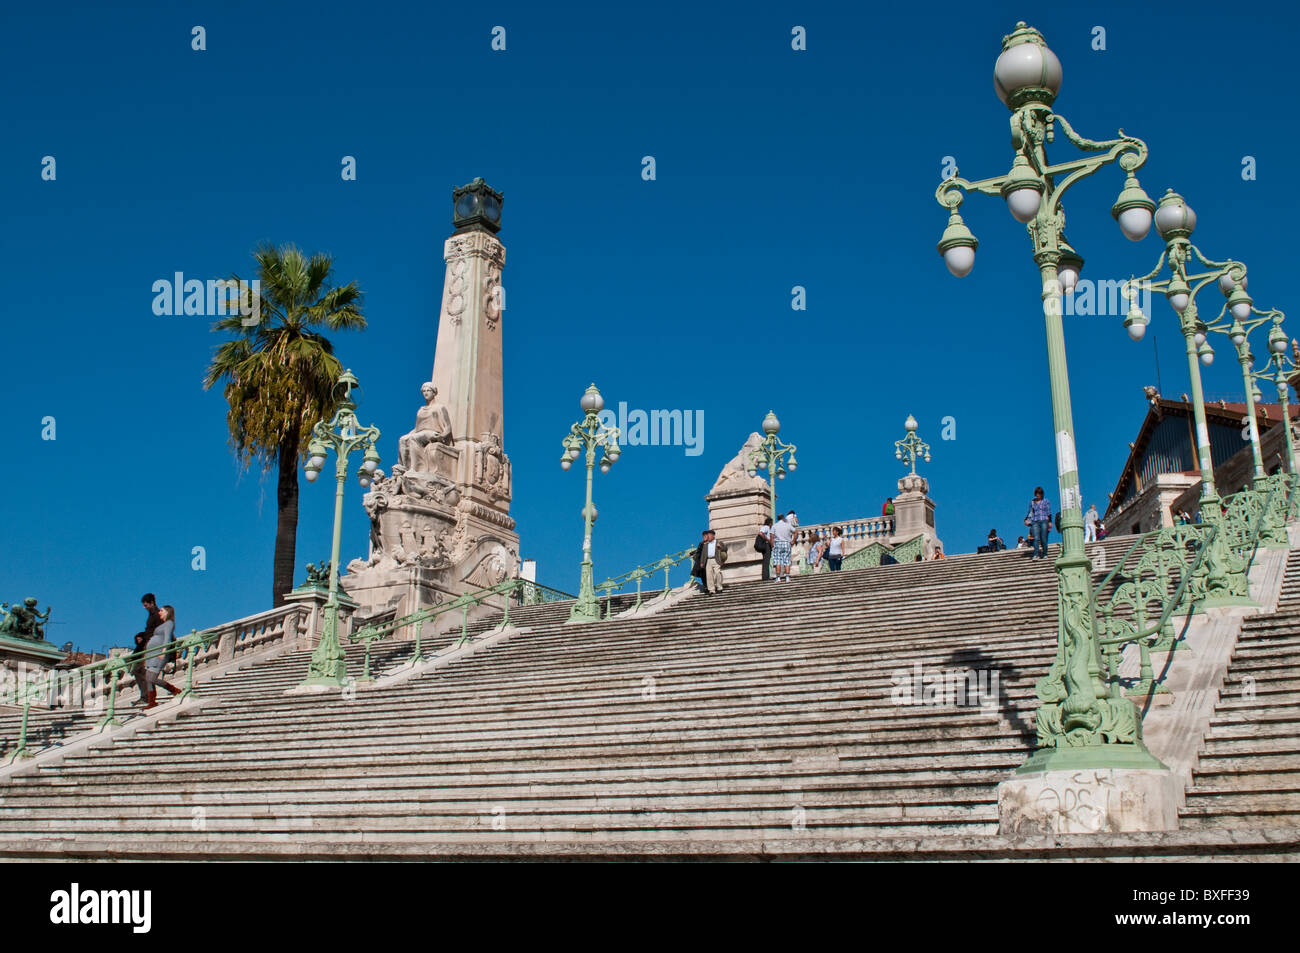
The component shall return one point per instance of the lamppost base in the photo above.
(322, 682)
(582, 613)
(1130, 757)
(1095, 801)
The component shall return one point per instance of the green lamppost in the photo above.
(1273, 532)
(1226, 582)
(770, 456)
(911, 446)
(588, 434)
(1286, 366)
(342, 434)
(1080, 725)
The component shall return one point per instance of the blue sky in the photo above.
(775, 168)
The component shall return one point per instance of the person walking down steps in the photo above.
(154, 665)
(153, 619)
(699, 567)
(1039, 521)
(715, 558)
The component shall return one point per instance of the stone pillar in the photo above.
(914, 513)
(313, 599)
(440, 523)
(738, 504)
(23, 659)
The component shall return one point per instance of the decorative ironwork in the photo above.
(911, 446)
(770, 455)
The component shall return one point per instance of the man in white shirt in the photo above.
(1090, 520)
(782, 540)
(715, 557)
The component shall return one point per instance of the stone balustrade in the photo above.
(857, 533)
(252, 635)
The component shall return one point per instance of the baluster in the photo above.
(418, 657)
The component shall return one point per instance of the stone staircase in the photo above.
(758, 722)
(1249, 770)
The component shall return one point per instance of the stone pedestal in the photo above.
(314, 599)
(1092, 801)
(738, 504)
(914, 513)
(24, 659)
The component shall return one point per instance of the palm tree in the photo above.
(279, 377)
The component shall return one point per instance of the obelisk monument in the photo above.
(440, 522)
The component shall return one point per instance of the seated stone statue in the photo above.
(432, 425)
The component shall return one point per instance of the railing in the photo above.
(664, 563)
(1165, 551)
(524, 591)
(873, 554)
(1170, 575)
(856, 533)
(96, 686)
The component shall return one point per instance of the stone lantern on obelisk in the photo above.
(440, 522)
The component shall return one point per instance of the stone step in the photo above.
(890, 725)
(900, 819)
(671, 761)
(946, 802)
(777, 778)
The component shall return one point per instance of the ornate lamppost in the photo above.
(1079, 724)
(911, 446)
(770, 456)
(1286, 366)
(342, 434)
(1273, 532)
(1225, 579)
(588, 434)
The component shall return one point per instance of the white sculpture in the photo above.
(432, 425)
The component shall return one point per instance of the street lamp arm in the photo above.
(1123, 150)
(1129, 151)
(1150, 275)
(1136, 147)
(1224, 326)
(949, 192)
(1197, 281)
(1234, 269)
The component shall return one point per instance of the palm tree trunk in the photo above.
(286, 521)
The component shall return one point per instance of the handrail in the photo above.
(647, 568)
(530, 593)
(1111, 575)
(1137, 592)
(114, 670)
(96, 686)
(665, 562)
(1175, 600)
